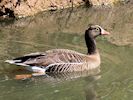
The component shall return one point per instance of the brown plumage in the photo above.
(64, 60)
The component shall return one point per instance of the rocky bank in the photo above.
(23, 8)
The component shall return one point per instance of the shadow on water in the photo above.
(64, 29)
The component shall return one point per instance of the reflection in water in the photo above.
(61, 77)
(91, 93)
(89, 77)
(77, 85)
(74, 75)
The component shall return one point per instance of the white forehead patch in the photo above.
(102, 30)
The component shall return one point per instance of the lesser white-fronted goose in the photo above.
(64, 60)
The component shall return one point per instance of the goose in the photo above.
(64, 60)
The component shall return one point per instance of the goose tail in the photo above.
(16, 62)
(12, 61)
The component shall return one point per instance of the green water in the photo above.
(114, 82)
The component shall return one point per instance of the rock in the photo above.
(23, 8)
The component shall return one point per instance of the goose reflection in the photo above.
(89, 77)
(73, 85)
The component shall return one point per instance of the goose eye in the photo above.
(97, 29)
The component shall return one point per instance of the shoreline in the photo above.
(24, 8)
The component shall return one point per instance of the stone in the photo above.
(25, 8)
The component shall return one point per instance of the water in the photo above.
(65, 29)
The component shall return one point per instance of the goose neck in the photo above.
(90, 43)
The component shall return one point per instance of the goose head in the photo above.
(96, 30)
(90, 34)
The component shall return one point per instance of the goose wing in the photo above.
(52, 58)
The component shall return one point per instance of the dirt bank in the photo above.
(22, 8)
